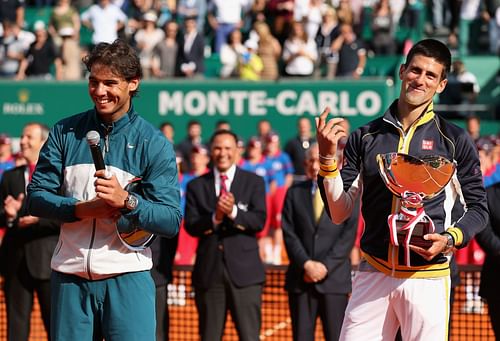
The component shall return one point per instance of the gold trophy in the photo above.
(413, 180)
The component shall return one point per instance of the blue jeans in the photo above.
(221, 35)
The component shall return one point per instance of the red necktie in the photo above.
(31, 168)
(223, 188)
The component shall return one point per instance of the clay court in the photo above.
(470, 319)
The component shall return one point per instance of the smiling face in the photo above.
(421, 80)
(31, 142)
(224, 151)
(110, 93)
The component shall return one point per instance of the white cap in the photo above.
(251, 44)
(149, 16)
(38, 25)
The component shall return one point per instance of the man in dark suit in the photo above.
(28, 243)
(318, 279)
(225, 208)
(191, 57)
(163, 253)
(489, 240)
(297, 146)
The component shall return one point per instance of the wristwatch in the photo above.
(450, 243)
(131, 202)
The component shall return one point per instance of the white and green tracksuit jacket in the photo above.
(132, 147)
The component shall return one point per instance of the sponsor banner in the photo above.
(242, 104)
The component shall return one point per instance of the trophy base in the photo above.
(417, 237)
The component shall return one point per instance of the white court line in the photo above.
(276, 328)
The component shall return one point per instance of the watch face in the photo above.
(450, 241)
(131, 202)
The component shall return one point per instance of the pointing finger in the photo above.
(320, 121)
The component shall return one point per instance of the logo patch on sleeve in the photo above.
(427, 144)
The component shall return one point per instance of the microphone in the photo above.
(94, 140)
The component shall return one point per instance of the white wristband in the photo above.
(327, 157)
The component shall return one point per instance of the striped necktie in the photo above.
(223, 188)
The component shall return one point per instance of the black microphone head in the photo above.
(93, 138)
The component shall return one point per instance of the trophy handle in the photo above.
(384, 162)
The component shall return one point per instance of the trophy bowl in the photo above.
(413, 180)
(405, 173)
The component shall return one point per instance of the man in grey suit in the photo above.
(318, 279)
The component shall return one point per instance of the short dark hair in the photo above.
(220, 123)
(223, 132)
(472, 117)
(434, 49)
(166, 124)
(193, 123)
(119, 56)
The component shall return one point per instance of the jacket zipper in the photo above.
(89, 255)
(394, 260)
(108, 129)
(94, 225)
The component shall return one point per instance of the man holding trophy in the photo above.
(409, 166)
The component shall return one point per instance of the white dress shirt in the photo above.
(229, 181)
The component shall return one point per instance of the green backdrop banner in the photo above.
(243, 104)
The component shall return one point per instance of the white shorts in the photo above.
(380, 304)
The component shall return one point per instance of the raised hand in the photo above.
(328, 135)
(13, 205)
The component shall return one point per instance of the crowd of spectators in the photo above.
(251, 39)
